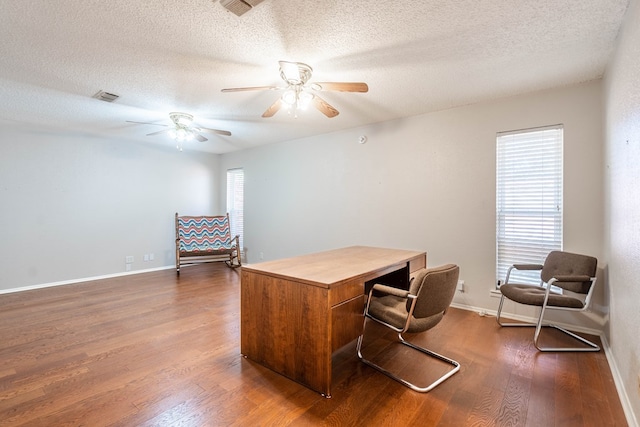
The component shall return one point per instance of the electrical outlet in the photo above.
(461, 285)
(261, 255)
(127, 267)
(128, 259)
(145, 258)
(151, 256)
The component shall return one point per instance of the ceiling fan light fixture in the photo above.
(182, 129)
(304, 100)
(183, 134)
(289, 97)
(184, 121)
(181, 119)
(298, 92)
(295, 73)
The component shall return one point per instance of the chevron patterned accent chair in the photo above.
(206, 239)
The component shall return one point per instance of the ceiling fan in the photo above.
(182, 129)
(299, 93)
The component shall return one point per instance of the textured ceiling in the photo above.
(160, 56)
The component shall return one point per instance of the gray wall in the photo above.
(622, 188)
(426, 183)
(74, 205)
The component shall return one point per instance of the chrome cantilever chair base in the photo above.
(590, 346)
(415, 310)
(456, 365)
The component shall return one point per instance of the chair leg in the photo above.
(456, 365)
(238, 256)
(231, 264)
(503, 324)
(539, 325)
(590, 346)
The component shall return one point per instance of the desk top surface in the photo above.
(334, 266)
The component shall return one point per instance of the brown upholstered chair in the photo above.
(573, 274)
(420, 308)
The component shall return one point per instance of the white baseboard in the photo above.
(84, 279)
(485, 312)
(617, 379)
(615, 373)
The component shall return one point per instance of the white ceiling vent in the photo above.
(240, 7)
(106, 96)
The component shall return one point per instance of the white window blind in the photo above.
(235, 202)
(528, 199)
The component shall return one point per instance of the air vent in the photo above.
(240, 7)
(106, 96)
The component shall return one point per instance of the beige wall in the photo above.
(425, 183)
(622, 189)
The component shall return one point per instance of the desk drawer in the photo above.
(345, 292)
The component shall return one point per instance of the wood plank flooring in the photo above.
(155, 349)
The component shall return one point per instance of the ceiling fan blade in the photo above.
(218, 131)
(199, 137)
(324, 107)
(243, 89)
(342, 86)
(274, 108)
(145, 123)
(158, 132)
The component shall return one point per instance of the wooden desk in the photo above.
(296, 312)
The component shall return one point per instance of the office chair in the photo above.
(573, 273)
(420, 308)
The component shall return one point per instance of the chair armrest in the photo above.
(527, 266)
(521, 267)
(390, 290)
(580, 278)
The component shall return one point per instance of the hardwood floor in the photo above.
(158, 350)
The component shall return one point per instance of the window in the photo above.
(235, 202)
(528, 199)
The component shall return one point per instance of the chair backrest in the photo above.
(559, 263)
(435, 288)
(197, 233)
